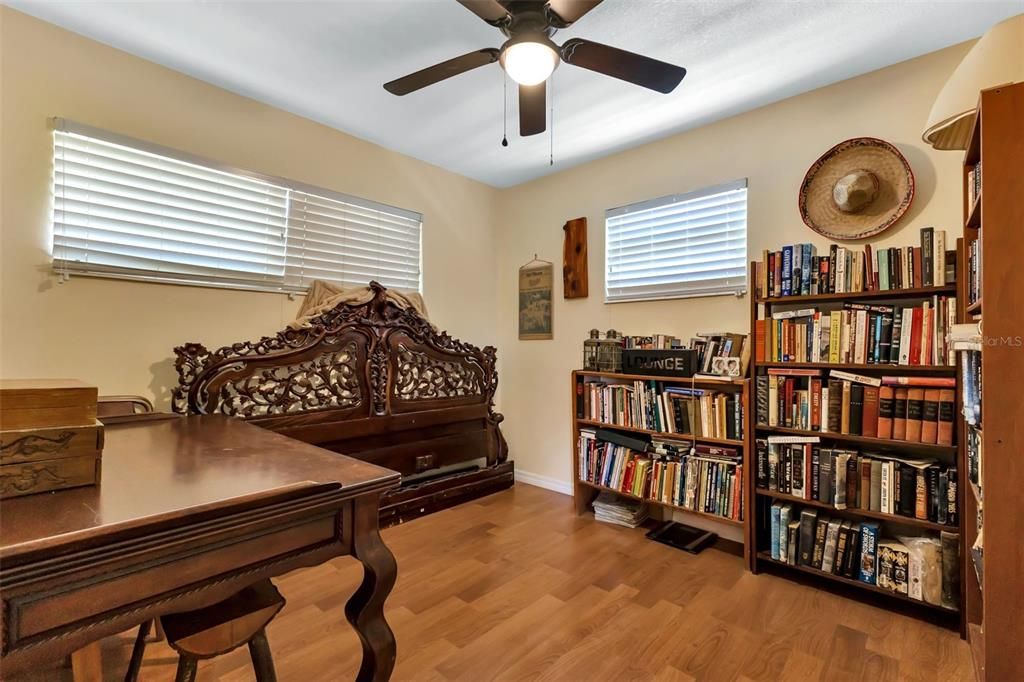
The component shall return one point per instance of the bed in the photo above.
(373, 380)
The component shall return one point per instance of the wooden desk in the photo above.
(190, 511)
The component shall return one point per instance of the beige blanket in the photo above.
(323, 296)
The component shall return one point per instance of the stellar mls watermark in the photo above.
(1008, 341)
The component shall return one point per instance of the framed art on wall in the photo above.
(536, 280)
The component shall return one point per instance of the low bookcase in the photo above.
(737, 394)
(863, 446)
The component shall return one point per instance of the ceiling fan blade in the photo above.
(532, 109)
(562, 13)
(491, 11)
(439, 72)
(628, 66)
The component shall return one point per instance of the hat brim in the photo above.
(895, 189)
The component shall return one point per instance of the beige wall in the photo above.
(119, 334)
(771, 147)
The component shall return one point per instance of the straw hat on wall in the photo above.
(857, 189)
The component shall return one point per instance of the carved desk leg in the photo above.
(365, 610)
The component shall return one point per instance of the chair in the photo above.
(215, 630)
(121, 405)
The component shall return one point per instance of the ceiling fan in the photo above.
(529, 55)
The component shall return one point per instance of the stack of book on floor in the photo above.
(922, 489)
(610, 508)
(799, 271)
(921, 567)
(702, 478)
(654, 406)
(861, 333)
(910, 409)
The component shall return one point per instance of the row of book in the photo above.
(974, 271)
(922, 567)
(973, 183)
(711, 345)
(655, 342)
(911, 409)
(843, 478)
(655, 406)
(798, 270)
(699, 478)
(860, 333)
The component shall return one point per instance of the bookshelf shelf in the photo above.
(767, 558)
(881, 443)
(917, 292)
(715, 517)
(974, 308)
(859, 367)
(854, 511)
(683, 436)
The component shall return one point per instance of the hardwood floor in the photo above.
(516, 587)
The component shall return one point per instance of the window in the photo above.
(127, 209)
(685, 245)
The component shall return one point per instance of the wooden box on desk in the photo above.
(49, 436)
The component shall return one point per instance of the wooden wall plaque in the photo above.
(574, 259)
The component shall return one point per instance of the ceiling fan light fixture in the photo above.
(529, 62)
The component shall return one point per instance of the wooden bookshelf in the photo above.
(994, 601)
(585, 491)
(761, 498)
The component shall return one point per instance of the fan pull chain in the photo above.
(551, 128)
(504, 109)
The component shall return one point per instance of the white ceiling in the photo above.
(327, 61)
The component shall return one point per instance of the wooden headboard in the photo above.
(374, 381)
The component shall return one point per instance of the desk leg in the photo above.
(365, 610)
(87, 664)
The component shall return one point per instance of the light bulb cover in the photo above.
(529, 61)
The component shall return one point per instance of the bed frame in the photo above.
(374, 381)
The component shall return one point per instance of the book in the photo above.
(915, 414)
(808, 529)
(885, 412)
(856, 409)
(831, 543)
(868, 552)
(870, 406)
(946, 412)
(930, 416)
(820, 531)
(899, 414)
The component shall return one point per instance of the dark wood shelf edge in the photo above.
(889, 443)
(896, 369)
(857, 511)
(767, 558)
(700, 382)
(915, 292)
(706, 515)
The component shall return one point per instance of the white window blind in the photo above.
(692, 244)
(127, 209)
(352, 243)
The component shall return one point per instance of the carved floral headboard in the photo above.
(368, 360)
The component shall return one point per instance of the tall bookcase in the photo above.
(585, 491)
(762, 308)
(994, 601)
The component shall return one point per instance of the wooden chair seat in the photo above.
(217, 629)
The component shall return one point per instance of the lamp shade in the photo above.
(996, 59)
